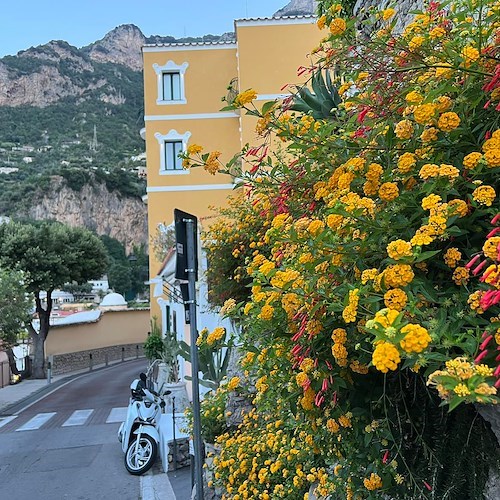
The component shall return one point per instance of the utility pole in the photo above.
(187, 267)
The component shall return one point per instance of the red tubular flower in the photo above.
(497, 371)
(490, 298)
(324, 386)
(483, 345)
(481, 357)
(473, 261)
(386, 457)
(427, 485)
(484, 277)
(493, 232)
(495, 219)
(318, 400)
(476, 271)
(497, 383)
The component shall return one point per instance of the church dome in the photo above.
(113, 300)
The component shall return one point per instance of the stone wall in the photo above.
(74, 361)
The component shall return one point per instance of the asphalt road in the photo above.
(65, 446)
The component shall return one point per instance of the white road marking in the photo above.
(36, 422)
(78, 417)
(6, 420)
(117, 415)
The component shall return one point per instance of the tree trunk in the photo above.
(39, 337)
(38, 356)
(12, 362)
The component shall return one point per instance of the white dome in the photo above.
(113, 299)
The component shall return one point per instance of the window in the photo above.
(171, 145)
(171, 86)
(172, 150)
(171, 83)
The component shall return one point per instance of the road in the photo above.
(65, 446)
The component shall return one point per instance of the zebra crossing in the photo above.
(84, 417)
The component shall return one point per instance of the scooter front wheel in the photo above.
(141, 454)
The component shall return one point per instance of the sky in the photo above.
(30, 23)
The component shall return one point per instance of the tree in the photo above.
(119, 277)
(50, 254)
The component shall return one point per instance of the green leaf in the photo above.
(426, 255)
(455, 401)
(267, 106)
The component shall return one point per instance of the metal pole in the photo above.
(173, 431)
(49, 369)
(198, 460)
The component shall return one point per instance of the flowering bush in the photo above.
(214, 351)
(362, 292)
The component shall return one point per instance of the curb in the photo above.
(155, 485)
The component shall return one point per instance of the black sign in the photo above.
(181, 266)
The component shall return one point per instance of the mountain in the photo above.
(297, 8)
(69, 121)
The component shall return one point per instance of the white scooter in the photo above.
(139, 434)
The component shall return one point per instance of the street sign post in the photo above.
(186, 236)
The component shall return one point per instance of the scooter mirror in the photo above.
(143, 377)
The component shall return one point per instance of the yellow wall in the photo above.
(265, 57)
(213, 134)
(269, 56)
(210, 70)
(113, 328)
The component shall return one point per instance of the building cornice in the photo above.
(190, 116)
(192, 187)
(273, 21)
(177, 47)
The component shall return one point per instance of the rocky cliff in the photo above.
(120, 46)
(297, 8)
(95, 208)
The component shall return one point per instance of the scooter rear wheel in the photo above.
(139, 459)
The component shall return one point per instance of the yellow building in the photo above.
(184, 84)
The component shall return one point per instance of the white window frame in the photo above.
(170, 67)
(172, 136)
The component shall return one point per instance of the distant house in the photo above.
(100, 285)
(8, 170)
